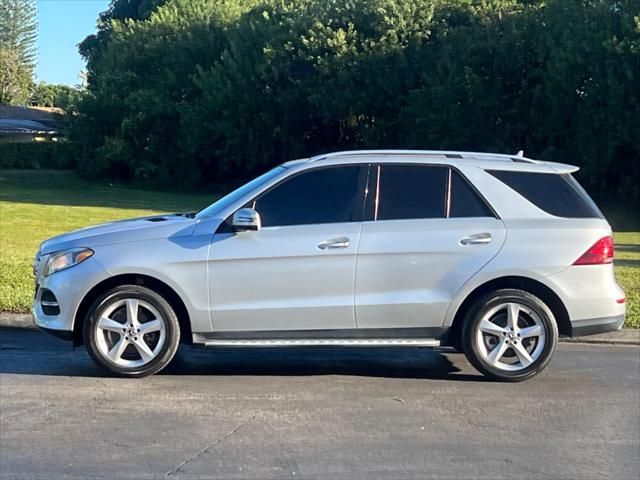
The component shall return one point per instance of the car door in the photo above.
(297, 272)
(431, 232)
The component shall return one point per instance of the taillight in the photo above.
(600, 252)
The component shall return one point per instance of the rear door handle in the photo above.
(476, 239)
(342, 242)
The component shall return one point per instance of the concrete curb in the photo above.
(626, 336)
(16, 320)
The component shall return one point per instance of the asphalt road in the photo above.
(316, 413)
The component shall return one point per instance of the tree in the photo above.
(51, 95)
(19, 29)
(93, 46)
(212, 91)
(18, 33)
(15, 78)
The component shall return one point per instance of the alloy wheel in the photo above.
(130, 332)
(510, 336)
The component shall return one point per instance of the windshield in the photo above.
(238, 193)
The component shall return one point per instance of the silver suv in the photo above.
(496, 255)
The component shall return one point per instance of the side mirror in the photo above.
(245, 219)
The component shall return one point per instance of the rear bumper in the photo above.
(592, 326)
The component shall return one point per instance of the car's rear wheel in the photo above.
(132, 331)
(510, 335)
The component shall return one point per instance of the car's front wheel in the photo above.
(132, 331)
(510, 335)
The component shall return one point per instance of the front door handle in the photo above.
(476, 239)
(342, 242)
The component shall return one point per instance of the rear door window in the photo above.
(411, 191)
(556, 194)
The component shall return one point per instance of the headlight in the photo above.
(65, 259)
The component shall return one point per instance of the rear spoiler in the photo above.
(561, 167)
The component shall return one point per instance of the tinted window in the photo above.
(465, 202)
(558, 195)
(408, 191)
(327, 195)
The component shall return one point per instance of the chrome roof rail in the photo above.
(519, 157)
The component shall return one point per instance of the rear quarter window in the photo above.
(557, 194)
(464, 201)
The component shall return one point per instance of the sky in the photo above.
(63, 24)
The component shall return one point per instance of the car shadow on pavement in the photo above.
(419, 363)
(34, 353)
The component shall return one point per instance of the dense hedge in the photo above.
(198, 91)
(37, 155)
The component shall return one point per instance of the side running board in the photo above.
(320, 342)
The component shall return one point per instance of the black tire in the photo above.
(492, 300)
(165, 352)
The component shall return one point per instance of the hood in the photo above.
(130, 230)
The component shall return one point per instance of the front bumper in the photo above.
(69, 288)
(593, 326)
(62, 334)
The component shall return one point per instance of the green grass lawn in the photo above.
(37, 204)
(627, 268)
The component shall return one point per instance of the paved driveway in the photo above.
(323, 413)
